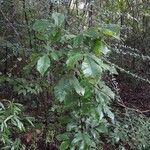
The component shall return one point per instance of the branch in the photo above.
(133, 109)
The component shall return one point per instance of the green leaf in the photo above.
(78, 88)
(64, 145)
(88, 140)
(69, 101)
(112, 30)
(8, 118)
(62, 88)
(19, 124)
(78, 137)
(78, 40)
(97, 47)
(43, 64)
(108, 32)
(82, 145)
(62, 137)
(100, 112)
(58, 18)
(54, 56)
(91, 68)
(53, 53)
(67, 37)
(102, 128)
(104, 49)
(30, 119)
(73, 58)
(41, 25)
(100, 47)
(92, 33)
(66, 85)
(108, 91)
(109, 113)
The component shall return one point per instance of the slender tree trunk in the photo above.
(27, 23)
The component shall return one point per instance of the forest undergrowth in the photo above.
(74, 75)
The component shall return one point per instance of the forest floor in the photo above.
(135, 98)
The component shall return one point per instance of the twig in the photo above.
(133, 109)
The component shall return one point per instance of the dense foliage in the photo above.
(59, 63)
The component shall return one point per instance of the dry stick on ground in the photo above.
(133, 109)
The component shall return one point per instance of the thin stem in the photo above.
(27, 22)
